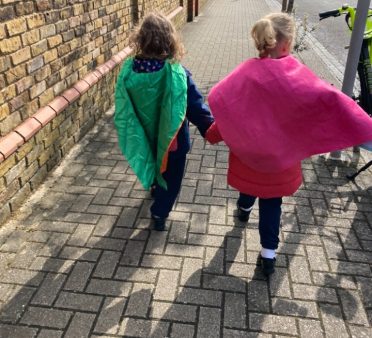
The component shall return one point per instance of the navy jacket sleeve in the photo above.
(197, 112)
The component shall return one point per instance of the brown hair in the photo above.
(156, 38)
(272, 30)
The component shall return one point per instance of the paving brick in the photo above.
(109, 288)
(166, 287)
(51, 318)
(350, 268)
(235, 311)
(78, 301)
(224, 283)
(104, 225)
(76, 253)
(208, 200)
(182, 331)
(310, 328)
(187, 195)
(17, 331)
(14, 241)
(178, 232)
(133, 253)
(184, 250)
(47, 292)
(214, 260)
(235, 250)
(26, 255)
(139, 301)
(229, 333)
(294, 308)
(272, 323)
(332, 320)
(299, 270)
(204, 188)
(13, 310)
(198, 223)
(143, 328)
(52, 265)
(156, 241)
(317, 258)
(191, 272)
(109, 318)
(46, 333)
(82, 203)
(80, 325)
(179, 312)
(358, 331)
(81, 218)
(353, 307)
(103, 196)
(279, 283)
(79, 276)
(217, 215)
(157, 261)
(199, 296)
(106, 243)
(81, 235)
(22, 277)
(209, 322)
(308, 292)
(107, 264)
(191, 207)
(359, 256)
(128, 217)
(258, 296)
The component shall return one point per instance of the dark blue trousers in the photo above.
(164, 199)
(269, 218)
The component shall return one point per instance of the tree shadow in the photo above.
(79, 247)
(344, 226)
(226, 297)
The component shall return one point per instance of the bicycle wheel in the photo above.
(365, 78)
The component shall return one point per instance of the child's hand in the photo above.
(213, 135)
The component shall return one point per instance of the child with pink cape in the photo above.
(273, 112)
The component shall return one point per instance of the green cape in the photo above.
(149, 110)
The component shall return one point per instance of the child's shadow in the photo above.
(219, 291)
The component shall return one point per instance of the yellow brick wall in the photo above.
(47, 45)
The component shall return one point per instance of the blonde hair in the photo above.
(272, 30)
(157, 38)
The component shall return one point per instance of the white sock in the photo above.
(267, 253)
(246, 209)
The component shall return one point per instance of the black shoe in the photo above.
(268, 265)
(243, 215)
(159, 223)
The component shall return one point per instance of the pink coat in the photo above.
(272, 114)
(252, 182)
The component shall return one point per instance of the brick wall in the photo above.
(59, 60)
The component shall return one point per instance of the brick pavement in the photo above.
(81, 261)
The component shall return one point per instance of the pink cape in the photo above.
(273, 113)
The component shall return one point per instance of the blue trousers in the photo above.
(269, 218)
(164, 199)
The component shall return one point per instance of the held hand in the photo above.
(213, 135)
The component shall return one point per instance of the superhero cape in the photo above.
(273, 113)
(149, 110)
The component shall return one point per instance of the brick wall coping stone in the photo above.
(22, 133)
